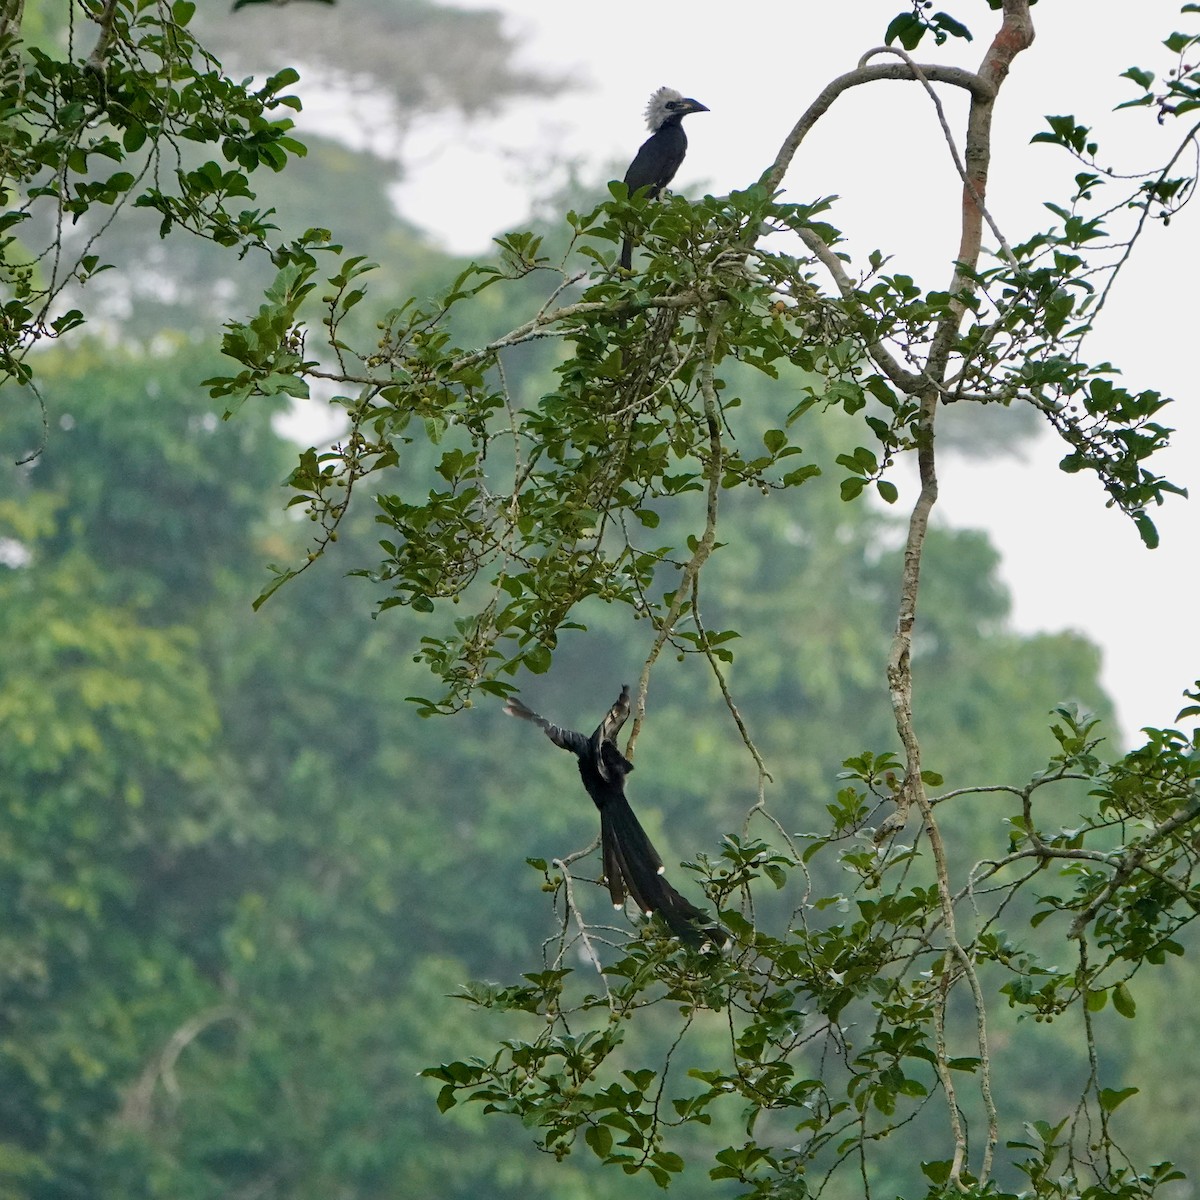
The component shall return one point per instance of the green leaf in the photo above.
(938, 1171)
(907, 29)
(1110, 1098)
(800, 475)
(948, 24)
(1142, 78)
(775, 440)
(600, 1139)
(1147, 530)
(282, 79)
(134, 137)
(537, 659)
(1123, 1001)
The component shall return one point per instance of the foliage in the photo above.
(236, 890)
(530, 514)
(222, 967)
(240, 942)
(92, 130)
(115, 104)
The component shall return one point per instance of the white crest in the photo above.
(657, 111)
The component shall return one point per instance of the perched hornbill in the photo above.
(655, 164)
(631, 864)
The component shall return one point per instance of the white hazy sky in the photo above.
(1069, 562)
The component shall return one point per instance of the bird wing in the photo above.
(567, 739)
(657, 160)
(644, 170)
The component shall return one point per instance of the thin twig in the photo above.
(919, 73)
(580, 923)
(907, 381)
(975, 84)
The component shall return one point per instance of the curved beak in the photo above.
(695, 105)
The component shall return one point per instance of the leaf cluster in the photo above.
(88, 133)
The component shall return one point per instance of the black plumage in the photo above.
(631, 864)
(660, 155)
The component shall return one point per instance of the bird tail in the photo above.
(627, 254)
(632, 866)
(686, 921)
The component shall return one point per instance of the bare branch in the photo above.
(1189, 139)
(577, 916)
(543, 325)
(1015, 34)
(957, 76)
(11, 17)
(137, 1109)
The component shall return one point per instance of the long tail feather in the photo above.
(629, 856)
(614, 868)
(683, 919)
(631, 864)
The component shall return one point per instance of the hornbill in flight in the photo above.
(655, 164)
(631, 864)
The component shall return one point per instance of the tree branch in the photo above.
(136, 1111)
(881, 356)
(1015, 34)
(1130, 861)
(98, 59)
(957, 76)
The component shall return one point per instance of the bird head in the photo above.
(667, 103)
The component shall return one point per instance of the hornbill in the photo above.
(655, 164)
(631, 864)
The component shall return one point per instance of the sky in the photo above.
(1069, 562)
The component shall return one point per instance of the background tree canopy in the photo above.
(249, 896)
